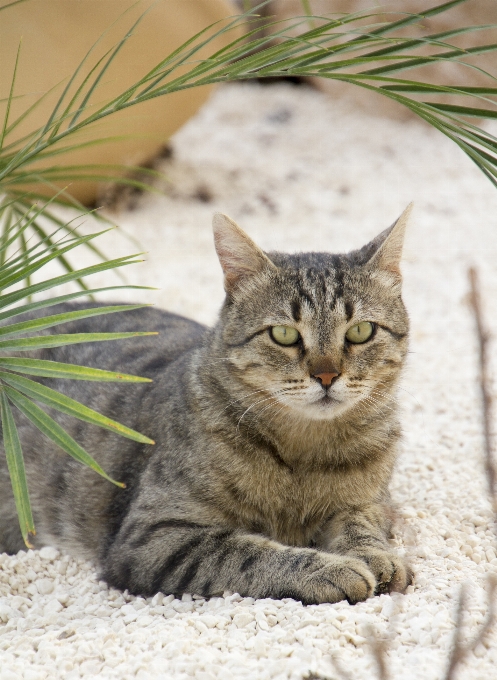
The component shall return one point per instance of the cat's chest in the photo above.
(291, 505)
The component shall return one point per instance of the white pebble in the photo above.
(243, 619)
(52, 607)
(7, 612)
(45, 586)
(200, 626)
(490, 554)
(209, 620)
(49, 553)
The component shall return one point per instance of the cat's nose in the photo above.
(326, 379)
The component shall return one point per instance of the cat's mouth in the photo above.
(327, 400)
(325, 407)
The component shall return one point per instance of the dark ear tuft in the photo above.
(239, 256)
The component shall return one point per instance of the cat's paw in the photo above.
(391, 572)
(338, 578)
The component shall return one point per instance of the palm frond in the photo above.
(17, 392)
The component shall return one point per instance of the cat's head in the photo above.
(314, 332)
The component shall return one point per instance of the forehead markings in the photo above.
(296, 311)
(316, 284)
(319, 289)
(349, 309)
(304, 295)
(338, 285)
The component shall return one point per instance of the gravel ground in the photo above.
(299, 171)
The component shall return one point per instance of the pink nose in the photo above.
(326, 378)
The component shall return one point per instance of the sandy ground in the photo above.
(299, 171)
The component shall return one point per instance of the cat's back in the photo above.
(146, 356)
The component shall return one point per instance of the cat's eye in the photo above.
(360, 333)
(285, 335)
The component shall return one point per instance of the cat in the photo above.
(276, 434)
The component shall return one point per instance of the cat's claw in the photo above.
(390, 571)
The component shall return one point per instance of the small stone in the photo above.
(144, 621)
(129, 612)
(7, 613)
(49, 553)
(45, 586)
(52, 607)
(157, 600)
(490, 554)
(209, 620)
(200, 626)
(62, 596)
(243, 619)
(260, 648)
(118, 625)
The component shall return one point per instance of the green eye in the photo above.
(285, 335)
(360, 333)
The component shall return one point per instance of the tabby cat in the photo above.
(276, 435)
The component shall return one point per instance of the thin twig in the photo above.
(459, 650)
(379, 648)
(483, 341)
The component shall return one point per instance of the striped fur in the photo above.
(262, 481)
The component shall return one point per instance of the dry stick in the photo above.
(483, 340)
(460, 651)
(379, 650)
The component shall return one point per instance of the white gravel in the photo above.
(299, 171)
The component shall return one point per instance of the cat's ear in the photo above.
(387, 246)
(239, 256)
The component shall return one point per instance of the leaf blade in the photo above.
(45, 322)
(45, 368)
(46, 341)
(71, 407)
(51, 429)
(17, 470)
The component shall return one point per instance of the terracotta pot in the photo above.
(56, 35)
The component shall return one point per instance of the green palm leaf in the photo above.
(60, 402)
(55, 369)
(15, 463)
(57, 319)
(55, 432)
(26, 344)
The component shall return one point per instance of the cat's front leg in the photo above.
(175, 556)
(363, 533)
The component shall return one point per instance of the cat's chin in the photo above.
(325, 408)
